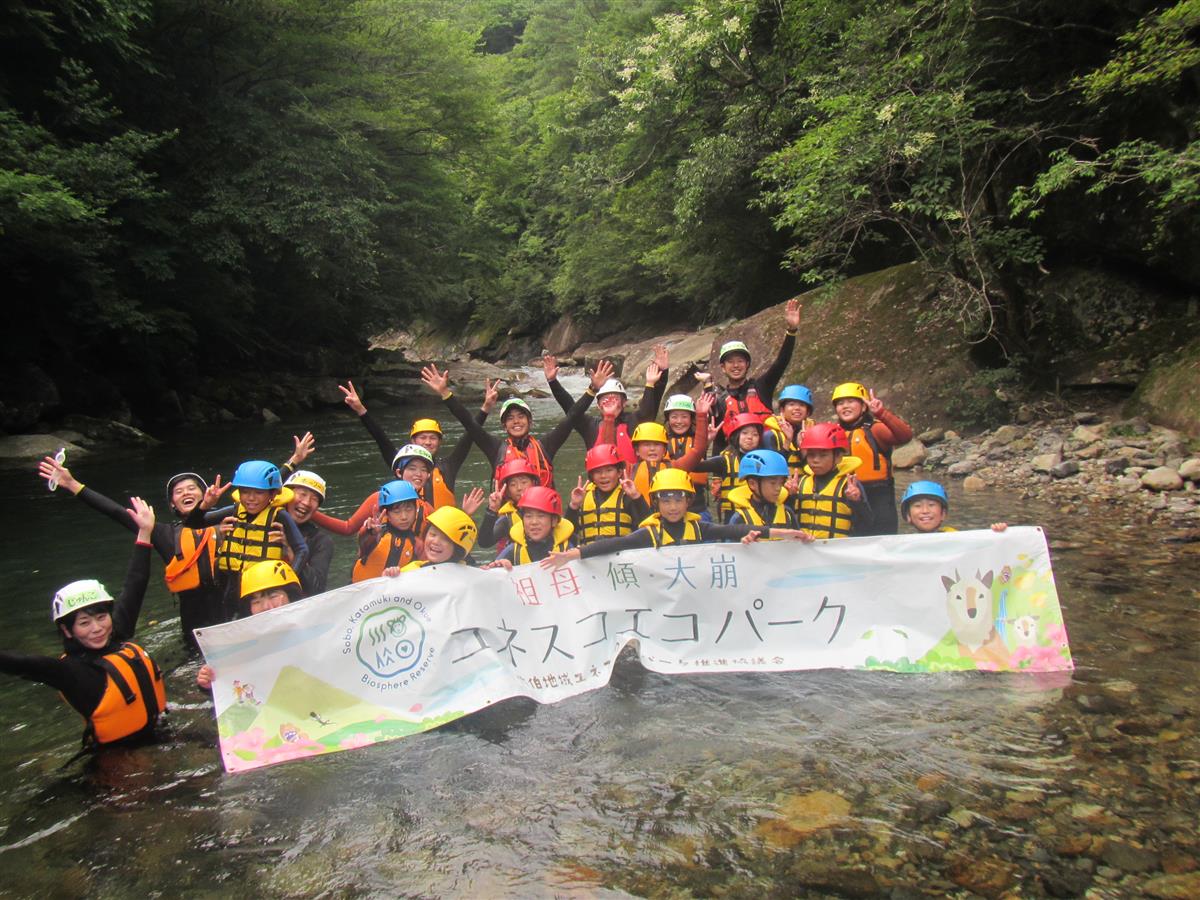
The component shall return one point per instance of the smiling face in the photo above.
(794, 412)
(185, 495)
(926, 514)
(538, 524)
(438, 547)
(679, 421)
(605, 477)
(735, 366)
(516, 423)
(849, 409)
(305, 502)
(430, 440)
(254, 500)
(92, 627)
(611, 404)
(416, 472)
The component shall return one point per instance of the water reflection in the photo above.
(814, 783)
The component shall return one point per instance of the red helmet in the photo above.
(543, 498)
(733, 423)
(602, 455)
(824, 436)
(517, 466)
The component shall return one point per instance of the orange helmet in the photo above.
(733, 424)
(602, 455)
(543, 498)
(517, 466)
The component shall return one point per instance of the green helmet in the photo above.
(681, 402)
(514, 403)
(733, 347)
(76, 596)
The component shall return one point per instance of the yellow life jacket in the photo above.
(790, 449)
(133, 695)
(194, 559)
(561, 538)
(743, 503)
(249, 541)
(824, 513)
(437, 493)
(729, 481)
(393, 549)
(876, 462)
(659, 535)
(610, 518)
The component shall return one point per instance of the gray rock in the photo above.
(951, 436)
(269, 417)
(1006, 434)
(963, 467)
(1091, 451)
(27, 449)
(1025, 415)
(932, 436)
(71, 437)
(1162, 479)
(935, 457)
(1128, 858)
(909, 455)
(110, 430)
(1084, 417)
(1065, 469)
(1086, 435)
(1065, 881)
(1190, 469)
(1045, 462)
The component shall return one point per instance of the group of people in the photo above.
(726, 466)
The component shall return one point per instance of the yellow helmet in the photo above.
(421, 426)
(851, 390)
(305, 479)
(456, 525)
(650, 431)
(270, 573)
(671, 480)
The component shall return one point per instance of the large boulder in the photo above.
(20, 450)
(1170, 392)
(911, 454)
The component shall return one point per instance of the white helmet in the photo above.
(612, 386)
(76, 596)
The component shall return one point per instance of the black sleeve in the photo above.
(501, 529)
(484, 441)
(651, 398)
(635, 540)
(715, 465)
(487, 527)
(129, 605)
(553, 442)
(314, 574)
(711, 532)
(198, 518)
(507, 553)
(386, 448)
(162, 536)
(766, 382)
(295, 539)
(638, 509)
(82, 684)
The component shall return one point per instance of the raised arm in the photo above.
(350, 526)
(552, 442)
(439, 383)
(766, 382)
(656, 384)
(129, 603)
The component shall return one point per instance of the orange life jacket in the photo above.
(194, 561)
(393, 549)
(679, 444)
(876, 461)
(133, 695)
(437, 493)
(533, 454)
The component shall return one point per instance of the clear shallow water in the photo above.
(810, 783)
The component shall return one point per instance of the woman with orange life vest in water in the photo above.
(110, 681)
(517, 419)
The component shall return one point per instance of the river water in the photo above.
(826, 783)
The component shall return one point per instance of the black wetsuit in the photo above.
(589, 426)
(82, 682)
(710, 533)
(448, 465)
(763, 384)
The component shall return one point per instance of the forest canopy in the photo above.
(190, 186)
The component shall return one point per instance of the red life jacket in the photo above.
(533, 454)
(623, 442)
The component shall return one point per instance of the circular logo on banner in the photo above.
(390, 641)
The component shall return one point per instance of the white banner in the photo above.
(395, 656)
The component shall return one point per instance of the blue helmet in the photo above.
(396, 492)
(763, 464)
(919, 489)
(797, 392)
(258, 474)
